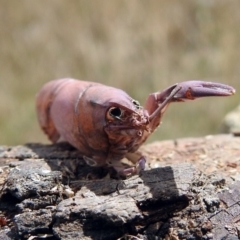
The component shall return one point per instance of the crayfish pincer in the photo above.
(104, 123)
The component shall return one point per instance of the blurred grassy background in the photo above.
(139, 46)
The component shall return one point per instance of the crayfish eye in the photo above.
(136, 103)
(113, 113)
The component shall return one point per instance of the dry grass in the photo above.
(139, 46)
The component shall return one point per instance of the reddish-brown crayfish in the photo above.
(104, 123)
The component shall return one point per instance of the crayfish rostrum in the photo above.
(104, 123)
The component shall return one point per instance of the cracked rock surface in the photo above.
(190, 190)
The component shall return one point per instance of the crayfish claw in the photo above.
(191, 90)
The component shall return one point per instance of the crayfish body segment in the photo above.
(104, 123)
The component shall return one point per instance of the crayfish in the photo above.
(104, 123)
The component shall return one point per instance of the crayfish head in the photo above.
(122, 117)
(127, 127)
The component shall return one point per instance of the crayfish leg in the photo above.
(136, 164)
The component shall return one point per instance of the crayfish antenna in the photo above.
(165, 102)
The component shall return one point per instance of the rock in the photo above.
(231, 122)
(28, 182)
(180, 199)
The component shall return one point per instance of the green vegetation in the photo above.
(139, 46)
